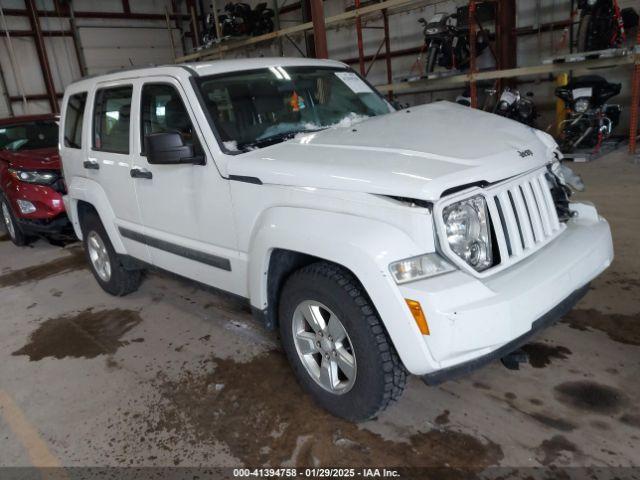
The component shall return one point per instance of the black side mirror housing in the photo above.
(168, 148)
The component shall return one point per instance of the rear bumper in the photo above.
(541, 323)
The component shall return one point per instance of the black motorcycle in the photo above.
(238, 20)
(512, 105)
(262, 19)
(603, 25)
(591, 120)
(447, 40)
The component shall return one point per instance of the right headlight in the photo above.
(468, 232)
(581, 105)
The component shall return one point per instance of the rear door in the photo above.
(109, 159)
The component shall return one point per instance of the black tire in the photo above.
(122, 281)
(380, 377)
(17, 236)
(583, 33)
(432, 56)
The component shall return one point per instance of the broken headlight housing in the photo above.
(468, 232)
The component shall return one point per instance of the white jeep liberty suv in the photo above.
(429, 240)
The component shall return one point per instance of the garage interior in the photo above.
(176, 375)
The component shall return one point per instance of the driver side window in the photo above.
(162, 111)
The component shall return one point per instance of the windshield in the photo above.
(29, 136)
(257, 108)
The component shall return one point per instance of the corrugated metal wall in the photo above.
(107, 44)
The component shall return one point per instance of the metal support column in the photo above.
(319, 30)
(472, 54)
(42, 55)
(635, 100)
(506, 36)
(387, 50)
(360, 41)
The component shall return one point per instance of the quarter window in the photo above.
(73, 120)
(112, 118)
(163, 111)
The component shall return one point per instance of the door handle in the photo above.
(91, 165)
(141, 173)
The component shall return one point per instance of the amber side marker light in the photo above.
(418, 316)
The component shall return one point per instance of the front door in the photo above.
(185, 208)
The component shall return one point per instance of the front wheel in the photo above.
(17, 236)
(432, 56)
(336, 343)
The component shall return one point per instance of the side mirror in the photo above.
(169, 149)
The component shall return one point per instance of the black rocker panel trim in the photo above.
(191, 254)
(242, 178)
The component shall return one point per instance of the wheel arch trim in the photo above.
(363, 246)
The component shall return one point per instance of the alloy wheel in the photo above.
(324, 347)
(99, 256)
(8, 221)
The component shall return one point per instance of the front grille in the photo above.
(523, 216)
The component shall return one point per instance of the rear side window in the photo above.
(112, 119)
(73, 119)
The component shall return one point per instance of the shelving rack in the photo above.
(505, 54)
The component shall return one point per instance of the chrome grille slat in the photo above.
(511, 222)
(523, 215)
(542, 207)
(534, 213)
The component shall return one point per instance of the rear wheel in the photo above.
(17, 236)
(336, 343)
(105, 263)
(583, 33)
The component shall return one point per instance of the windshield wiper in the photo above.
(273, 139)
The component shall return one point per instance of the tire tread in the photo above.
(395, 375)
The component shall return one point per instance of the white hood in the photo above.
(415, 153)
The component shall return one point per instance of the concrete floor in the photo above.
(175, 375)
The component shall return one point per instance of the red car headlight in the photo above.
(39, 177)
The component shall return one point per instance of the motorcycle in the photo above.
(591, 120)
(238, 20)
(262, 19)
(447, 41)
(512, 105)
(603, 24)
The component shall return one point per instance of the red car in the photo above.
(31, 183)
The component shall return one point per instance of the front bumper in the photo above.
(58, 227)
(473, 320)
(543, 322)
(48, 202)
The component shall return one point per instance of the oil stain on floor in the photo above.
(590, 397)
(620, 328)
(553, 449)
(83, 335)
(264, 418)
(541, 354)
(75, 260)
